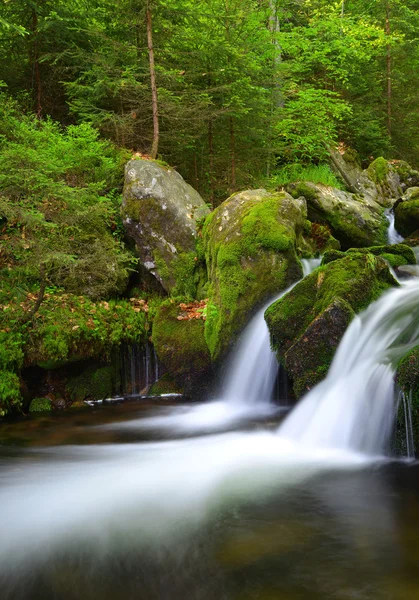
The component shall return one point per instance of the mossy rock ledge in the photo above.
(307, 324)
(160, 213)
(181, 347)
(408, 380)
(355, 219)
(406, 212)
(250, 244)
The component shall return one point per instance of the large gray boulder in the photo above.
(160, 212)
(355, 219)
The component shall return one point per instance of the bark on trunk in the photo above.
(232, 155)
(156, 132)
(35, 58)
(388, 67)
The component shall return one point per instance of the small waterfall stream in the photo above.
(354, 407)
(393, 236)
(254, 369)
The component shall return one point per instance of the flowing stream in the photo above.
(393, 236)
(247, 392)
(94, 505)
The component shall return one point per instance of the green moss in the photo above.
(181, 345)
(93, 384)
(165, 385)
(250, 255)
(302, 189)
(378, 170)
(407, 217)
(190, 275)
(40, 405)
(306, 325)
(260, 229)
(10, 396)
(408, 380)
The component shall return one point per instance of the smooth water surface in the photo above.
(92, 512)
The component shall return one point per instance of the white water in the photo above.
(406, 401)
(247, 392)
(354, 407)
(151, 495)
(393, 236)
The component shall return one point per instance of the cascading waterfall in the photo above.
(354, 407)
(254, 369)
(393, 236)
(139, 369)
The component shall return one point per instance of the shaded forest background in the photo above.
(247, 90)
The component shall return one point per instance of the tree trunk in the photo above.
(35, 59)
(211, 160)
(232, 155)
(388, 68)
(156, 133)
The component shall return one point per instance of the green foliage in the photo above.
(10, 396)
(308, 124)
(293, 172)
(59, 204)
(40, 405)
(72, 327)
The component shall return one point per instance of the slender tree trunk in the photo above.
(35, 58)
(388, 68)
(211, 160)
(156, 132)
(274, 27)
(232, 155)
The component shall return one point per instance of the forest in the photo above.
(234, 93)
(209, 284)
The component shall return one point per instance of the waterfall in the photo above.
(393, 237)
(354, 407)
(405, 400)
(254, 369)
(139, 369)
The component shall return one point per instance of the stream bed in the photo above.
(103, 504)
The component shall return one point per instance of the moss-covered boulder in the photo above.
(179, 341)
(308, 323)
(93, 382)
(408, 176)
(160, 212)
(396, 255)
(406, 213)
(250, 246)
(354, 219)
(408, 380)
(386, 179)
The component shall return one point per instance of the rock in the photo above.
(355, 220)
(307, 324)
(408, 176)
(396, 254)
(406, 213)
(386, 180)
(250, 245)
(160, 212)
(180, 345)
(323, 334)
(348, 167)
(408, 379)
